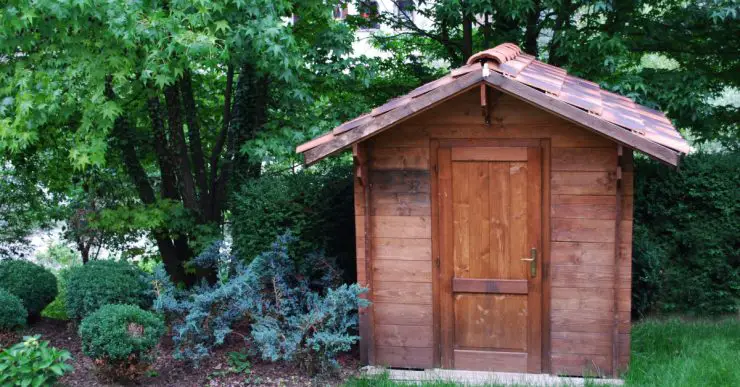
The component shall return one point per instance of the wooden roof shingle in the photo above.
(522, 76)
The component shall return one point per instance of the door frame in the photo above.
(544, 145)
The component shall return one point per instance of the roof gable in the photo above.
(520, 75)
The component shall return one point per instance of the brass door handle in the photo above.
(532, 262)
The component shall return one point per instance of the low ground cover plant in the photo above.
(99, 283)
(289, 320)
(33, 362)
(33, 284)
(121, 338)
(12, 312)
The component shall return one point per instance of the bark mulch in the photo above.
(167, 371)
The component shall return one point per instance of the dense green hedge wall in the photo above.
(686, 255)
(315, 204)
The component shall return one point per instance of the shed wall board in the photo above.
(583, 188)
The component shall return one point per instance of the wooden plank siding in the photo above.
(400, 219)
(581, 233)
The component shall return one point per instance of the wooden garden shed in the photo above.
(493, 213)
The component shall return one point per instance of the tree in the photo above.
(166, 93)
(608, 42)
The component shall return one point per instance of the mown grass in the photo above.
(667, 353)
(685, 353)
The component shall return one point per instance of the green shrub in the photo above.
(58, 308)
(33, 363)
(104, 282)
(121, 338)
(289, 320)
(33, 284)
(686, 255)
(12, 312)
(316, 205)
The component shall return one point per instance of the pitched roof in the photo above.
(548, 87)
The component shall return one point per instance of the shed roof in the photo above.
(508, 69)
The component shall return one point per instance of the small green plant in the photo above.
(33, 284)
(33, 362)
(100, 283)
(58, 308)
(12, 312)
(120, 338)
(239, 363)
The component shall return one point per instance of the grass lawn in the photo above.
(664, 353)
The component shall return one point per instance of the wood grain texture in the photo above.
(490, 361)
(582, 230)
(416, 336)
(582, 253)
(584, 159)
(419, 293)
(402, 314)
(402, 271)
(401, 226)
(583, 183)
(584, 343)
(500, 286)
(400, 158)
(403, 181)
(584, 206)
(579, 364)
(404, 357)
(489, 154)
(405, 249)
(400, 203)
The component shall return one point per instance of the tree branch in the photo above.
(180, 147)
(196, 147)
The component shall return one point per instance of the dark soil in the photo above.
(166, 371)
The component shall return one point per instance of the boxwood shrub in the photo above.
(120, 338)
(99, 283)
(33, 284)
(12, 312)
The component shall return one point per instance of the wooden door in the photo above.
(490, 218)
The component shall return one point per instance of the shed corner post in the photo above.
(362, 188)
(617, 253)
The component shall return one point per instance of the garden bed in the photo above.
(167, 371)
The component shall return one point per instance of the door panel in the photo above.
(490, 214)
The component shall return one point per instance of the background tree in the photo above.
(671, 55)
(164, 92)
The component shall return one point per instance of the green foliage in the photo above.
(58, 308)
(58, 256)
(290, 321)
(115, 332)
(33, 362)
(316, 205)
(686, 255)
(121, 338)
(12, 312)
(98, 283)
(33, 284)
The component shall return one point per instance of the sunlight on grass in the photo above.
(671, 353)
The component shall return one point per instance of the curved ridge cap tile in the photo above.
(501, 53)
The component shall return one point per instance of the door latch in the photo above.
(532, 262)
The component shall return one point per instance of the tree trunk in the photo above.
(180, 147)
(532, 30)
(562, 21)
(467, 25)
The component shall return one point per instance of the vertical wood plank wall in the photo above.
(583, 210)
